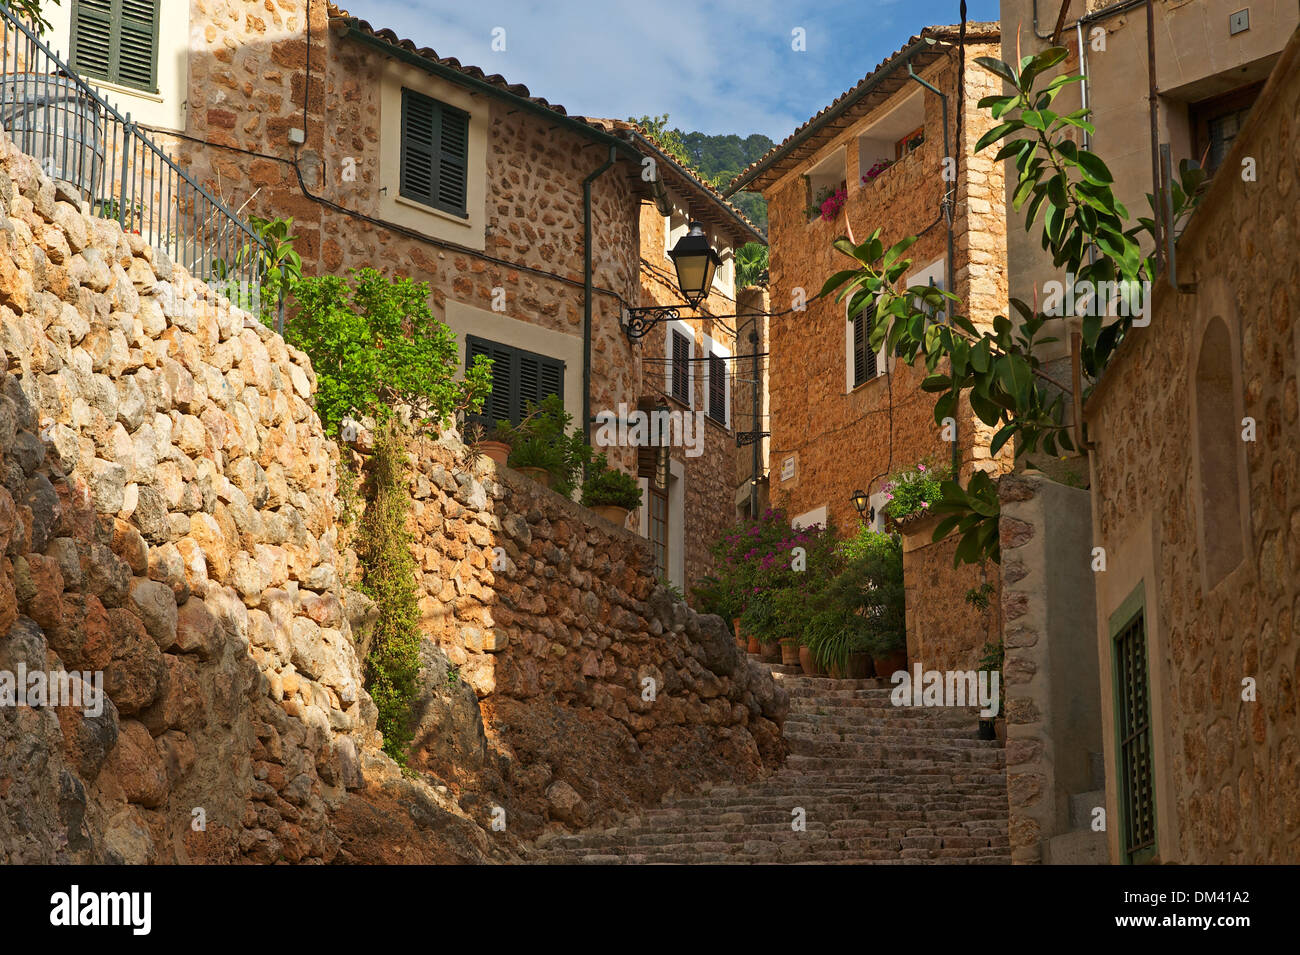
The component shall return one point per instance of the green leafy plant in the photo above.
(912, 490)
(751, 265)
(542, 440)
(375, 344)
(388, 578)
(605, 485)
(673, 590)
(978, 597)
(860, 608)
(33, 12)
(999, 369)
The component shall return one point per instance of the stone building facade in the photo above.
(298, 109)
(1197, 505)
(1207, 72)
(835, 427)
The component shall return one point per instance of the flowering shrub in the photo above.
(860, 607)
(828, 202)
(914, 489)
(880, 166)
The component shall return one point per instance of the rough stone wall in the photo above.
(1228, 770)
(944, 630)
(553, 617)
(1050, 668)
(167, 518)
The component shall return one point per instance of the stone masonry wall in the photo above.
(842, 442)
(167, 519)
(1227, 769)
(553, 617)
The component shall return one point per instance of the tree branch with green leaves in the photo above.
(998, 367)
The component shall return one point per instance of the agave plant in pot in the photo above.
(490, 441)
(542, 447)
(611, 493)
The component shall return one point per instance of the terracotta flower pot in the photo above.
(771, 652)
(540, 475)
(809, 663)
(859, 666)
(790, 652)
(754, 646)
(834, 672)
(735, 626)
(1000, 729)
(887, 664)
(498, 451)
(612, 512)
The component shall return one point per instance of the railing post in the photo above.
(121, 182)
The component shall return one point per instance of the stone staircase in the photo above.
(876, 783)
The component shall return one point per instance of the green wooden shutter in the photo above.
(864, 358)
(1134, 755)
(435, 153)
(117, 41)
(92, 38)
(717, 388)
(681, 367)
(518, 377)
(137, 45)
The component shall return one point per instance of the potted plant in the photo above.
(611, 493)
(542, 447)
(992, 656)
(488, 441)
(910, 492)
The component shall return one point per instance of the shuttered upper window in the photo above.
(718, 389)
(864, 358)
(680, 365)
(435, 153)
(518, 377)
(117, 41)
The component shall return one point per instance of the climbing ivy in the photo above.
(998, 369)
(388, 578)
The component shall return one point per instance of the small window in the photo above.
(518, 377)
(718, 387)
(679, 365)
(1217, 121)
(659, 530)
(1134, 755)
(435, 153)
(864, 362)
(117, 41)
(909, 143)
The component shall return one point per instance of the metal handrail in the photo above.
(81, 139)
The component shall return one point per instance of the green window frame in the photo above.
(518, 377)
(435, 153)
(864, 359)
(1134, 753)
(117, 41)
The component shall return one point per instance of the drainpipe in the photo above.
(586, 290)
(949, 203)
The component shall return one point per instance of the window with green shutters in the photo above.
(680, 366)
(117, 41)
(864, 358)
(435, 153)
(518, 377)
(1134, 756)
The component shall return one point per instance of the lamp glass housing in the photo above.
(696, 263)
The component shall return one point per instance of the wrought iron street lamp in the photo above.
(696, 262)
(860, 501)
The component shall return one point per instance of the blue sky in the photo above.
(725, 66)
